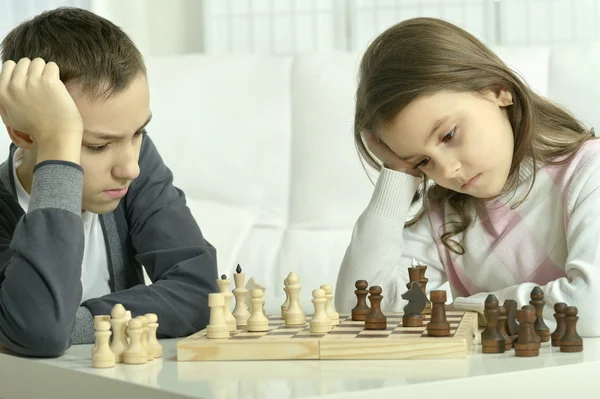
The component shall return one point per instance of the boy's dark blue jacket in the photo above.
(41, 253)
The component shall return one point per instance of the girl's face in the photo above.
(462, 141)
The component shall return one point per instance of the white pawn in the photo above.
(119, 325)
(224, 284)
(333, 315)
(145, 329)
(98, 319)
(135, 353)
(152, 341)
(217, 327)
(257, 321)
(320, 323)
(286, 304)
(294, 315)
(103, 357)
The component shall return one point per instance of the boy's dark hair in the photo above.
(90, 51)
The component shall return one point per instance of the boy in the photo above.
(85, 198)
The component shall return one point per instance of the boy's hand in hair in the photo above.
(389, 159)
(34, 102)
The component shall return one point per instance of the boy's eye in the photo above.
(140, 132)
(96, 148)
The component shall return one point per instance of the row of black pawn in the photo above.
(525, 330)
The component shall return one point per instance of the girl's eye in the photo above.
(449, 136)
(422, 163)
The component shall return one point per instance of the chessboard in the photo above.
(349, 340)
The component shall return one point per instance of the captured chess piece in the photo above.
(149, 351)
(492, 340)
(103, 357)
(375, 319)
(320, 323)
(571, 341)
(257, 321)
(527, 344)
(511, 325)
(294, 315)
(413, 310)
(360, 311)
(286, 303)
(537, 301)
(224, 284)
(333, 315)
(438, 325)
(217, 327)
(414, 276)
(423, 284)
(508, 341)
(118, 324)
(240, 312)
(98, 319)
(561, 326)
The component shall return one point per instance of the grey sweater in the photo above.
(41, 253)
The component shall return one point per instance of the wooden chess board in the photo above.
(348, 340)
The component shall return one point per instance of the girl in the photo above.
(508, 183)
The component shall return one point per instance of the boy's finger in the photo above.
(7, 72)
(51, 71)
(20, 73)
(36, 68)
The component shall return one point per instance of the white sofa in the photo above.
(263, 147)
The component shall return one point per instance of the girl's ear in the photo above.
(21, 140)
(504, 97)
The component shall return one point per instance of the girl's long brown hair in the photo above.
(423, 56)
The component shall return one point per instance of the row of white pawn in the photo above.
(223, 321)
(133, 339)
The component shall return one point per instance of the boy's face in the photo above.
(111, 143)
(469, 152)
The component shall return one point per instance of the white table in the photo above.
(551, 375)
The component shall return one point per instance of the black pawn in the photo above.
(375, 319)
(561, 326)
(492, 340)
(537, 300)
(571, 341)
(360, 311)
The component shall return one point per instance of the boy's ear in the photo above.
(21, 140)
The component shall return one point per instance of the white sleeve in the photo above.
(581, 287)
(381, 249)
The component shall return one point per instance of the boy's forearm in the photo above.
(40, 292)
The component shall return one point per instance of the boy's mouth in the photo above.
(116, 193)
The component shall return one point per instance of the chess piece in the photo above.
(508, 341)
(118, 325)
(537, 300)
(294, 315)
(250, 285)
(423, 285)
(257, 321)
(361, 309)
(135, 352)
(492, 340)
(240, 312)
(527, 344)
(375, 319)
(561, 326)
(145, 329)
(413, 310)
(103, 357)
(217, 327)
(153, 343)
(571, 341)
(224, 284)
(438, 325)
(333, 315)
(286, 304)
(98, 319)
(511, 325)
(320, 323)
